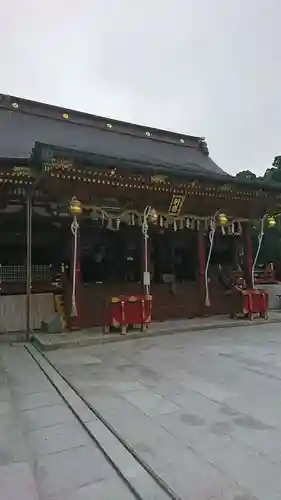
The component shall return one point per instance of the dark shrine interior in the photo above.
(108, 256)
(116, 256)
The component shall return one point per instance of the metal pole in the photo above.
(28, 262)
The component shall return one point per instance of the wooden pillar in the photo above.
(248, 254)
(202, 263)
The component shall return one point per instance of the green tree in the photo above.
(273, 174)
(246, 175)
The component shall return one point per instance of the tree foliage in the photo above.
(246, 175)
(272, 174)
(271, 246)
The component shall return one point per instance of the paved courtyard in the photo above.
(203, 409)
(44, 452)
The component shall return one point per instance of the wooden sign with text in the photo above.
(176, 204)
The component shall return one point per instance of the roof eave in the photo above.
(152, 168)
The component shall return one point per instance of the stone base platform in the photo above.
(49, 342)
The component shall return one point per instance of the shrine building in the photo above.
(154, 215)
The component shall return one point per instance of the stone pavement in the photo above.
(203, 409)
(44, 453)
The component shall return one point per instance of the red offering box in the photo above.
(255, 301)
(124, 310)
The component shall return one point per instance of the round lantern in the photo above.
(222, 219)
(75, 207)
(271, 221)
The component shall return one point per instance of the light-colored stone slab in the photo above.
(17, 483)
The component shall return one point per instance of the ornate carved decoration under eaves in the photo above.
(58, 165)
(159, 179)
(226, 188)
(112, 178)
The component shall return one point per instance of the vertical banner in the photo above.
(176, 204)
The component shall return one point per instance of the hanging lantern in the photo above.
(222, 219)
(152, 216)
(271, 221)
(75, 207)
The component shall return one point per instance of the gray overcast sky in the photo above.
(205, 67)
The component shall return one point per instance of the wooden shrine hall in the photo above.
(94, 208)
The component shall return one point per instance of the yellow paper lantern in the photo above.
(75, 207)
(222, 219)
(271, 221)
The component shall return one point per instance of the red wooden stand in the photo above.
(126, 310)
(252, 301)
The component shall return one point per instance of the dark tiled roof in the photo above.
(23, 123)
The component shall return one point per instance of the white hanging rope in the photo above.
(211, 239)
(260, 238)
(146, 214)
(74, 230)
